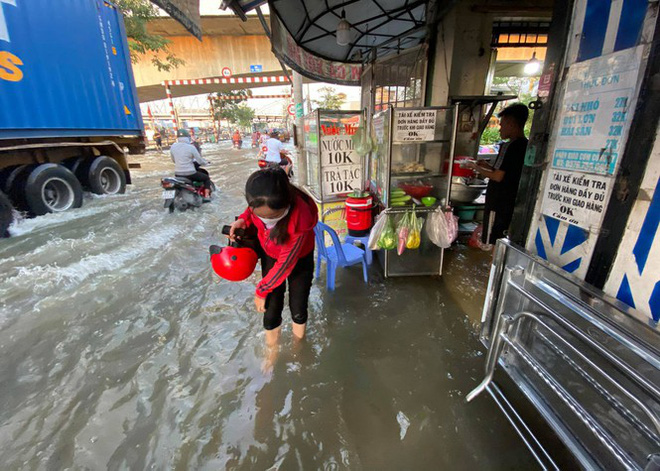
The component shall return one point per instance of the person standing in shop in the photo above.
(504, 173)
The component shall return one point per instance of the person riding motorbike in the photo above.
(237, 139)
(185, 156)
(275, 153)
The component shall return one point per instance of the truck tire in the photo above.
(52, 188)
(14, 186)
(6, 215)
(106, 177)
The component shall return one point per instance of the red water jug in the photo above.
(359, 214)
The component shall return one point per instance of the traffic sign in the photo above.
(291, 109)
(226, 72)
(299, 110)
(256, 68)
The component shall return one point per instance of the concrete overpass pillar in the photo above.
(298, 103)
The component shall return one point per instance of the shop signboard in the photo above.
(596, 112)
(340, 163)
(576, 197)
(414, 126)
(310, 65)
(592, 130)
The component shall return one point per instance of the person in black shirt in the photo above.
(504, 173)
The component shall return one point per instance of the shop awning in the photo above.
(304, 33)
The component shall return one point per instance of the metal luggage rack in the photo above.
(588, 364)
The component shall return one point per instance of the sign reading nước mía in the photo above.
(340, 163)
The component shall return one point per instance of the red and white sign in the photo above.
(286, 48)
(226, 72)
(291, 109)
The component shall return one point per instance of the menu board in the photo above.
(596, 112)
(414, 126)
(592, 130)
(341, 165)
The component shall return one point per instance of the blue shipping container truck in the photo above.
(68, 103)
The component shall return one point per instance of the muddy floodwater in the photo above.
(119, 349)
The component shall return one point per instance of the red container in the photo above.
(359, 215)
(457, 171)
(418, 190)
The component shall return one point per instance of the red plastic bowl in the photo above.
(416, 191)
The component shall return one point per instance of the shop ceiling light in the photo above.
(343, 31)
(531, 68)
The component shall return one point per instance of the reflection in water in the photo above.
(120, 349)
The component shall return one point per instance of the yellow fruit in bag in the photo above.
(414, 239)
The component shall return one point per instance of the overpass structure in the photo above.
(231, 55)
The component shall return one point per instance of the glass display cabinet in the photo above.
(413, 154)
(334, 168)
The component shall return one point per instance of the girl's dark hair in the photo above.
(271, 187)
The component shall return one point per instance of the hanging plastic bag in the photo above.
(403, 230)
(415, 235)
(442, 228)
(361, 139)
(376, 231)
(436, 228)
(387, 238)
(452, 225)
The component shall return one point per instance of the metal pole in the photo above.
(168, 92)
(298, 100)
(215, 123)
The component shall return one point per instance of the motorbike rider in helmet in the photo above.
(185, 155)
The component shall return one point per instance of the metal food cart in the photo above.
(413, 146)
(334, 168)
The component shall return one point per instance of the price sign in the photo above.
(414, 126)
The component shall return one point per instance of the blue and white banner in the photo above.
(610, 26)
(635, 276)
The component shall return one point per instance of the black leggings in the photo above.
(199, 177)
(300, 283)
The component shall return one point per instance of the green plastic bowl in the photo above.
(428, 200)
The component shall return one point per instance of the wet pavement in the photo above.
(119, 349)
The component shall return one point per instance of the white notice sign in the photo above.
(412, 126)
(596, 112)
(341, 165)
(576, 197)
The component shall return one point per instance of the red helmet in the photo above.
(262, 163)
(233, 263)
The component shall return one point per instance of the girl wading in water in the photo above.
(284, 217)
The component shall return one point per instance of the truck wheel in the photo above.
(14, 186)
(6, 215)
(106, 177)
(52, 188)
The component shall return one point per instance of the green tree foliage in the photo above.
(243, 115)
(521, 87)
(137, 14)
(232, 109)
(329, 99)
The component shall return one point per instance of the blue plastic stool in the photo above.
(365, 242)
(336, 255)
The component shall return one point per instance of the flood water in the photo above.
(120, 349)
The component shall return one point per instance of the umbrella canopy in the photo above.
(304, 33)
